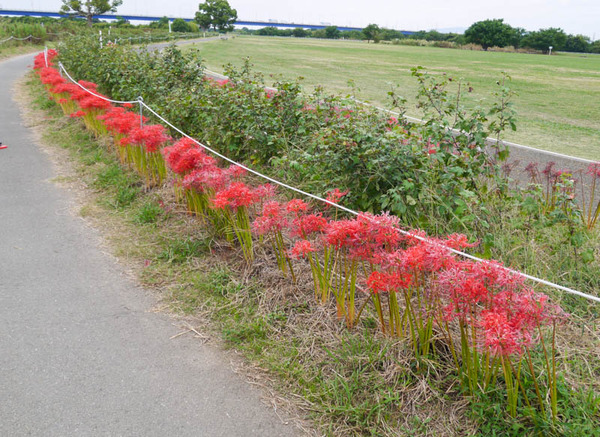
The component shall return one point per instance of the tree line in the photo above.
(218, 15)
(487, 34)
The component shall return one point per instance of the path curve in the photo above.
(81, 351)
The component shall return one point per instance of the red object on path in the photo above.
(3, 146)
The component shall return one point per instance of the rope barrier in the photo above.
(120, 102)
(335, 205)
(20, 39)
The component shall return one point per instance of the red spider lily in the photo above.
(77, 114)
(382, 282)
(594, 169)
(39, 61)
(236, 172)
(297, 206)
(88, 85)
(150, 136)
(306, 225)
(591, 213)
(301, 249)
(425, 257)
(381, 231)
(415, 236)
(549, 169)
(272, 219)
(236, 195)
(501, 336)
(533, 171)
(185, 155)
(341, 233)
(462, 291)
(271, 222)
(335, 195)
(173, 155)
(212, 178)
(93, 102)
(459, 241)
(265, 191)
(120, 121)
(64, 88)
(50, 77)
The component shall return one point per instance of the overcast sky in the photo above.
(574, 16)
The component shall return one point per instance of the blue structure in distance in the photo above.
(146, 18)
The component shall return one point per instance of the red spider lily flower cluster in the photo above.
(594, 170)
(137, 144)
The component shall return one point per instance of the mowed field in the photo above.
(558, 97)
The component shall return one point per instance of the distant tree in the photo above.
(434, 35)
(371, 32)
(578, 43)
(217, 14)
(544, 38)
(517, 37)
(267, 31)
(163, 23)
(595, 47)
(419, 34)
(299, 32)
(332, 32)
(352, 34)
(180, 25)
(490, 33)
(88, 8)
(457, 38)
(390, 34)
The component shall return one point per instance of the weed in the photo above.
(180, 250)
(149, 213)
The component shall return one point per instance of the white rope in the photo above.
(120, 102)
(343, 208)
(21, 39)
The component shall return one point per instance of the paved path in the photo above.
(81, 352)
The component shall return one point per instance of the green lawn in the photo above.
(558, 99)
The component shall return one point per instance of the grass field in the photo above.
(558, 97)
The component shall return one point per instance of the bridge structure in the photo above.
(240, 23)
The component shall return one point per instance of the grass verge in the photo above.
(349, 383)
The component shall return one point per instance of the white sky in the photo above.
(573, 16)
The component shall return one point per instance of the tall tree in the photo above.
(217, 14)
(490, 33)
(543, 39)
(371, 32)
(89, 8)
(578, 43)
(180, 25)
(332, 32)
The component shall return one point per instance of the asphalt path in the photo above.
(82, 352)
